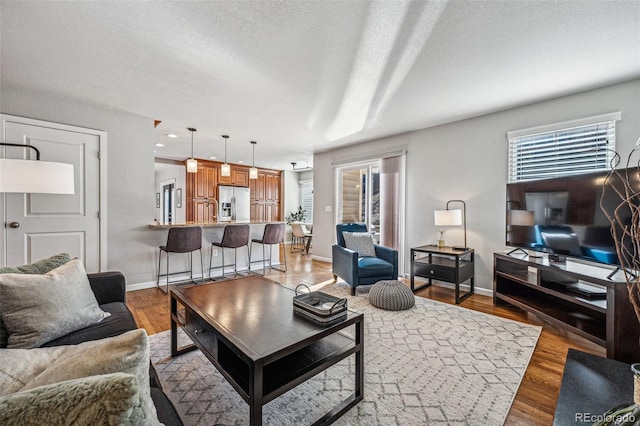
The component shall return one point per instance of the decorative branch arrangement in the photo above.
(625, 221)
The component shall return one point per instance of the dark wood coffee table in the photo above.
(246, 327)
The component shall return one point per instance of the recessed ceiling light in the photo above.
(240, 161)
(159, 144)
(212, 157)
(172, 135)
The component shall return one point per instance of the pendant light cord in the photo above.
(226, 137)
(191, 129)
(253, 162)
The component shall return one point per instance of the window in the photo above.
(306, 199)
(581, 146)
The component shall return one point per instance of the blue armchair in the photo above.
(364, 270)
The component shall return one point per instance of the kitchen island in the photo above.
(204, 225)
(213, 231)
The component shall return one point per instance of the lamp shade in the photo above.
(225, 170)
(253, 173)
(192, 165)
(36, 177)
(447, 217)
(520, 218)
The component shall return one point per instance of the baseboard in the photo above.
(152, 284)
(320, 258)
(463, 287)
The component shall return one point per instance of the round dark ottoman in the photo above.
(391, 295)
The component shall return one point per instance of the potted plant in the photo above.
(297, 216)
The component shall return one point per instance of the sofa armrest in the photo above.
(345, 264)
(108, 287)
(390, 255)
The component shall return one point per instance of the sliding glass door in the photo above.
(359, 196)
(372, 192)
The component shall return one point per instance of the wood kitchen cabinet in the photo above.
(203, 186)
(239, 176)
(265, 196)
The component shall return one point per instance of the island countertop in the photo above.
(207, 224)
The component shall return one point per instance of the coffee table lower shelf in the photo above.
(259, 381)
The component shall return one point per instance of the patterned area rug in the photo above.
(435, 364)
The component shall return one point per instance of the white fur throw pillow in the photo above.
(360, 242)
(25, 369)
(39, 308)
(110, 399)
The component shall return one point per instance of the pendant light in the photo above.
(253, 172)
(225, 169)
(192, 163)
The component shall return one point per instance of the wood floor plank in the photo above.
(535, 401)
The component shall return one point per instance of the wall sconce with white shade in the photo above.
(449, 217)
(192, 163)
(35, 177)
(225, 169)
(253, 171)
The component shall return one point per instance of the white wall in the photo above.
(468, 160)
(131, 246)
(291, 193)
(177, 173)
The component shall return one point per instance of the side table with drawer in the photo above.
(446, 264)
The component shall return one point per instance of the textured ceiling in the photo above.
(306, 76)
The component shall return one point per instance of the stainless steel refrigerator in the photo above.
(234, 204)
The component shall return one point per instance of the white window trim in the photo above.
(366, 159)
(612, 116)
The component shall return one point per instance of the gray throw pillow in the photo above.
(360, 242)
(40, 267)
(39, 308)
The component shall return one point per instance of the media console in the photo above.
(574, 296)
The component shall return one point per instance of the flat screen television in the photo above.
(563, 216)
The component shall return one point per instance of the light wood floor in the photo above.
(535, 401)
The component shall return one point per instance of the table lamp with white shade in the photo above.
(451, 217)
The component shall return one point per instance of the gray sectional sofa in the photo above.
(110, 291)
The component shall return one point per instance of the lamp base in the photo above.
(460, 248)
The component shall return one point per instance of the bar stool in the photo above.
(234, 236)
(181, 240)
(273, 234)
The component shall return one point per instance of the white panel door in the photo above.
(40, 225)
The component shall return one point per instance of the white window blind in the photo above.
(306, 199)
(568, 151)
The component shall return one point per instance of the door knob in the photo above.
(14, 225)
